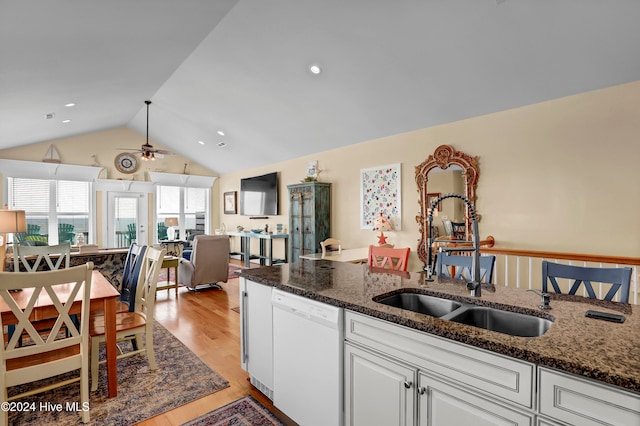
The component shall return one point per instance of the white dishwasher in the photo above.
(307, 360)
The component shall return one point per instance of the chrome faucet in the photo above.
(474, 285)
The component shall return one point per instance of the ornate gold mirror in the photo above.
(462, 180)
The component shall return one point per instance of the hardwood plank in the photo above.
(205, 323)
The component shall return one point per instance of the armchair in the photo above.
(209, 263)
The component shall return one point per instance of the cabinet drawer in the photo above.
(478, 369)
(576, 400)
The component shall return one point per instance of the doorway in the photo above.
(127, 218)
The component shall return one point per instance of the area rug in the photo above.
(243, 412)
(234, 270)
(181, 377)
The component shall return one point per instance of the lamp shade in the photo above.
(382, 224)
(13, 221)
(171, 221)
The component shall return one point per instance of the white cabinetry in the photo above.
(379, 391)
(578, 401)
(442, 403)
(256, 334)
(456, 384)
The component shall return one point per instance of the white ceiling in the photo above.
(242, 66)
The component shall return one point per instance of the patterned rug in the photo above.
(181, 377)
(243, 412)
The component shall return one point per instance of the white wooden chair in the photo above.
(132, 325)
(31, 258)
(330, 242)
(24, 255)
(44, 356)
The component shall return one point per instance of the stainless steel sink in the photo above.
(421, 303)
(506, 322)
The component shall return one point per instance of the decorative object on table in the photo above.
(257, 231)
(11, 221)
(79, 238)
(147, 151)
(240, 228)
(382, 224)
(230, 202)
(52, 155)
(380, 194)
(279, 228)
(171, 223)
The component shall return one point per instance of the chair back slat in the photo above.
(463, 265)
(618, 278)
(64, 288)
(146, 288)
(31, 257)
(131, 274)
(390, 258)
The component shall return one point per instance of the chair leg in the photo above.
(84, 394)
(149, 347)
(95, 345)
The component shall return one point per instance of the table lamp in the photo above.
(11, 221)
(382, 224)
(170, 222)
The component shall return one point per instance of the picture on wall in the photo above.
(380, 193)
(230, 205)
(431, 197)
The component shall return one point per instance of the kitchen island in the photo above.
(601, 351)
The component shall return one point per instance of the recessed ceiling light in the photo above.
(66, 121)
(315, 69)
(69, 105)
(220, 132)
(201, 143)
(221, 144)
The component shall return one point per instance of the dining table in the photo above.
(102, 299)
(355, 255)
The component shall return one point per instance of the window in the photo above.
(56, 210)
(184, 203)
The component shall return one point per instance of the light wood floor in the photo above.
(205, 323)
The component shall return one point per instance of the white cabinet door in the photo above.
(256, 329)
(441, 404)
(378, 391)
(576, 400)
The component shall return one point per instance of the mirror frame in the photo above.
(444, 156)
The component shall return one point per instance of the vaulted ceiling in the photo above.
(242, 67)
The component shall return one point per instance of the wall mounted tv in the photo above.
(259, 195)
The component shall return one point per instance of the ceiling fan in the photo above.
(147, 151)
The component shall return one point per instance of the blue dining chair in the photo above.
(462, 266)
(618, 278)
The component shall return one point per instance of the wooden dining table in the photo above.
(103, 298)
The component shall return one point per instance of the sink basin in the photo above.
(511, 323)
(421, 303)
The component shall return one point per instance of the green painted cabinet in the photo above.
(309, 217)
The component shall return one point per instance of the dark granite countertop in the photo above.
(596, 349)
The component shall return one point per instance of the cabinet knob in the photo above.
(407, 385)
(421, 390)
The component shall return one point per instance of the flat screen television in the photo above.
(259, 195)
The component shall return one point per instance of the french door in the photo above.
(127, 218)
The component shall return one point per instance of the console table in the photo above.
(266, 256)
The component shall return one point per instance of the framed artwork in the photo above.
(380, 192)
(230, 205)
(431, 197)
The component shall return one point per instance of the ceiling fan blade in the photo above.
(162, 151)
